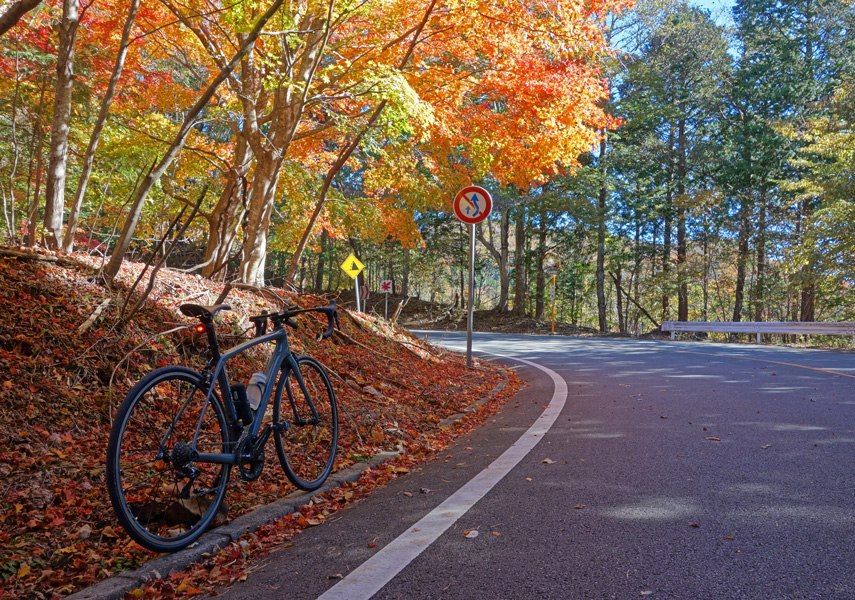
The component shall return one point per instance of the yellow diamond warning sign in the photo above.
(352, 266)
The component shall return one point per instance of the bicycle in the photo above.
(179, 432)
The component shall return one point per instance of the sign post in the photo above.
(353, 267)
(472, 205)
(551, 266)
(386, 288)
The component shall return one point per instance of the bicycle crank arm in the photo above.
(258, 446)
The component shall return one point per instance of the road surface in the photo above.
(626, 469)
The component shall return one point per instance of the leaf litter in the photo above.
(59, 390)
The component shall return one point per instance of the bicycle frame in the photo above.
(217, 375)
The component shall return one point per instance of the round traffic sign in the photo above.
(472, 204)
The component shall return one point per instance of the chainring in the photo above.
(251, 462)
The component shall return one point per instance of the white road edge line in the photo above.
(370, 577)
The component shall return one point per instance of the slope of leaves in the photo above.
(59, 389)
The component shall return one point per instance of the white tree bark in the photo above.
(115, 263)
(55, 183)
(89, 157)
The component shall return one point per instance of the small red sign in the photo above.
(472, 204)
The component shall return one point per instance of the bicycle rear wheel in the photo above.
(162, 498)
(307, 447)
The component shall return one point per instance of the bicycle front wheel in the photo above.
(161, 496)
(306, 439)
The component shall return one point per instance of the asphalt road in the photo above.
(672, 470)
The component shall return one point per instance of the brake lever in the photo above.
(332, 320)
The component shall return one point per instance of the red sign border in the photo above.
(469, 220)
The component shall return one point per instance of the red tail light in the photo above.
(200, 328)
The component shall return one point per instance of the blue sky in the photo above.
(720, 9)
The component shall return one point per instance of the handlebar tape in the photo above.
(332, 320)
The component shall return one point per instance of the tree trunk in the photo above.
(225, 218)
(500, 255)
(319, 276)
(741, 259)
(540, 286)
(618, 275)
(666, 236)
(601, 240)
(505, 268)
(60, 126)
(519, 262)
(405, 275)
(707, 267)
(760, 288)
(89, 157)
(807, 305)
(14, 13)
(682, 173)
(133, 218)
(38, 133)
(348, 150)
(807, 308)
(262, 198)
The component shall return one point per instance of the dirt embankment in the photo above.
(66, 361)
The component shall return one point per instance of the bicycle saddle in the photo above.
(202, 312)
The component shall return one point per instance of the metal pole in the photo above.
(356, 289)
(386, 312)
(471, 295)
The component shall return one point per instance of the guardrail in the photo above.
(761, 327)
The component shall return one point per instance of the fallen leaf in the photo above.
(579, 506)
(84, 532)
(183, 585)
(713, 439)
(496, 533)
(528, 478)
(470, 533)
(765, 446)
(335, 576)
(408, 494)
(646, 593)
(693, 524)
(108, 531)
(425, 490)
(24, 570)
(548, 461)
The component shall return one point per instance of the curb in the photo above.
(449, 421)
(116, 587)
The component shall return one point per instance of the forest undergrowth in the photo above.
(65, 368)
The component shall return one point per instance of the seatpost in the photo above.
(212, 338)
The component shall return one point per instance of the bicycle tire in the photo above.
(306, 449)
(162, 504)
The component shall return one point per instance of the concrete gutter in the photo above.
(215, 540)
(116, 587)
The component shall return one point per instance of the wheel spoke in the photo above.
(167, 407)
(307, 447)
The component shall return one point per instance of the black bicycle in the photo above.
(179, 432)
